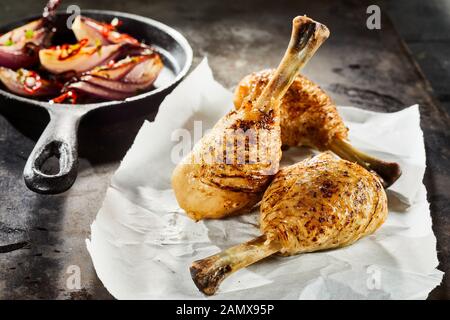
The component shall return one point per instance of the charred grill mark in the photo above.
(208, 283)
(252, 184)
(264, 121)
(308, 114)
(328, 188)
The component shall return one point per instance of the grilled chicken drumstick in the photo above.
(320, 203)
(212, 182)
(309, 118)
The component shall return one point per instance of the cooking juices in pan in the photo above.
(104, 64)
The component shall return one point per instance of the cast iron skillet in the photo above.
(59, 138)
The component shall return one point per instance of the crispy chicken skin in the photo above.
(208, 184)
(317, 204)
(230, 167)
(322, 203)
(309, 118)
(308, 115)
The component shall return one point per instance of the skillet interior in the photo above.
(174, 49)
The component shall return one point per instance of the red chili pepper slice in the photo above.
(32, 87)
(107, 28)
(69, 50)
(72, 95)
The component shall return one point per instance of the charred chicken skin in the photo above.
(309, 118)
(229, 169)
(317, 204)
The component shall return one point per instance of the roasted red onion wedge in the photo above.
(84, 69)
(99, 33)
(146, 71)
(118, 70)
(25, 32)
(18, 58)
(27, 83)
(78, 57)
(96, 91)
(125, 87)
(19, 47)
(136, 75)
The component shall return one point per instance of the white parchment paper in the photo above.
(142, 243)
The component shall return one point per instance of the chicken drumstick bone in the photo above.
(209, 183)
(317, 204)
(309, 117)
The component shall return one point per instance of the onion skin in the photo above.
(96, 91)
(148, 68)
(145, 72)
(18, 34)
(49, 12)
(19, 47)
(99, 33)
(16, 81)
(85, 59)
(15, 59)
(119, 86)
(117, 70)
(125, 67)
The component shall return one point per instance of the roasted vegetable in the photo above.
(99, 33)
(120, 80)
(27, 83)
(19, 47)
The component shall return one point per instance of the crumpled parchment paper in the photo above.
(142, 243)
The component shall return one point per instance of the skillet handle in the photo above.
(59, 140)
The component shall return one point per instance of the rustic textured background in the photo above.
(41, 236)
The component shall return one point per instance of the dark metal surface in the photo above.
(429, 44)
(42, 236)
(59, 139)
